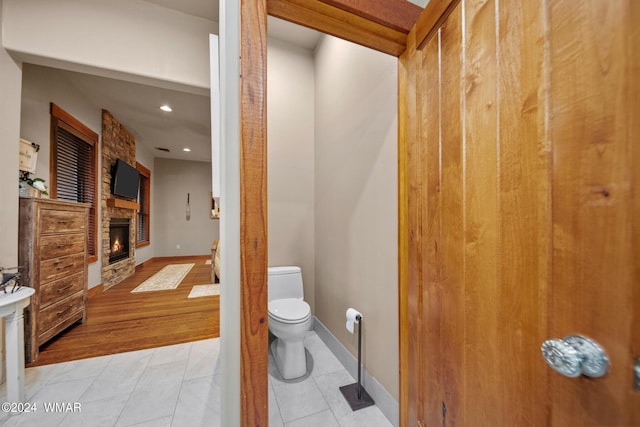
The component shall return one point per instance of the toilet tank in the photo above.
(284, 282)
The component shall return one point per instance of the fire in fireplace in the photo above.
(118, 239)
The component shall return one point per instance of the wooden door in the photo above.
(519, 210)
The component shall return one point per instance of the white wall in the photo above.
(10, 86)
(40, 87)
(170, 227)
(230, 212)
(127, 39)
(356, 200)
(290, 127)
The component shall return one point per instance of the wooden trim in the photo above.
(634, 136)
(75, 132)
(340, 23)
(60, 114)
(95, 291)
(399, 15)
(176, 258)
(145, 208)
(124, 204)
(254, 402)
(434, 15)
(144, 264)
(143, 170)
(404, 77)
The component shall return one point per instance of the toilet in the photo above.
(289, 320)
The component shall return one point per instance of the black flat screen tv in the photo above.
(124, 181)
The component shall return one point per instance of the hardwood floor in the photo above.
(119, 321)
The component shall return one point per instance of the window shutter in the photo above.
(142, 214)
(75, 172)
(144, 194)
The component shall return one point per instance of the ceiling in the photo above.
(136, 106)
(207, 9)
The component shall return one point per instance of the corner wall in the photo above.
(174, 179)
(290, 127)
(356, 219)
(10, 87)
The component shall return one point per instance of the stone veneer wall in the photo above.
(117, 143)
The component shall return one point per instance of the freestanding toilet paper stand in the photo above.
(355, 395)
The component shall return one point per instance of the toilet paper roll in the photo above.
(353, 316)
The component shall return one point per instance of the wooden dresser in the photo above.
(52, 250)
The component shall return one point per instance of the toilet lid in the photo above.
(289, 310)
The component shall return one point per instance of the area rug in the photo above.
(205, 291)
(168, 278)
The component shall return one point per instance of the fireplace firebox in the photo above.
(118, 239)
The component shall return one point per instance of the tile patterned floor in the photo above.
(179, 386)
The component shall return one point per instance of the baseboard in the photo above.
(384, 400)
(96, 290)
(177, 258)
(143, 263)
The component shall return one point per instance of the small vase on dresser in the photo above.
(26, 190)
(52, 252)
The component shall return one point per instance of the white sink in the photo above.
(11, 306)
(17, 300)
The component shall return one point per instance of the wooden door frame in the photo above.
(382, 27)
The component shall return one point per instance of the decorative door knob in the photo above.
(576, 355)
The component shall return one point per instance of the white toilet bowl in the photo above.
(289, 320)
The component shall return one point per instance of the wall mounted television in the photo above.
(124, 180)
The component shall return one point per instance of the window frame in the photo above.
(145, 208)
(83, 132)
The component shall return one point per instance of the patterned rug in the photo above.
(205, 291)
(168, 278)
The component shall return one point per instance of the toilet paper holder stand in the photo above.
(355, 395)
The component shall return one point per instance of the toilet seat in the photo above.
(289, 310)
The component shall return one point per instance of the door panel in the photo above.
(593, 257)
(449, 237)
(522, 158)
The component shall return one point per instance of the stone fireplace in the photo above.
(119, 239)
(118, 216)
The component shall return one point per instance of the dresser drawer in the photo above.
(60, 289)
(57, 313)
(58, 268)
(61, 221)
(54, 246)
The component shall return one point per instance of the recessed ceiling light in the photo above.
(186, 149)
(166, 108)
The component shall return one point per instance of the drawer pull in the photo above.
(61, 290)
(58, 313)
(63, 267)
(60, 245)
(62, 221)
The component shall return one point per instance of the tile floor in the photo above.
(179, 386)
